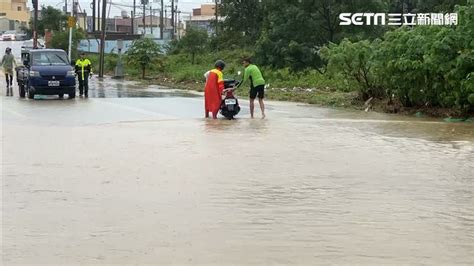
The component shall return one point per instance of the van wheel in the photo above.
(72, 95)
(31, 95)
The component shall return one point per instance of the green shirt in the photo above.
(8, 61)
(253, 73)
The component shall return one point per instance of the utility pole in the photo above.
(71, 22)
(133, 25)
(35, 23)
(217, 15)
(98, 15)
(178, 23)
(65, 7)
(133, 15)
(161, 19)
(74, 9)
(93, 15)
(144, 16)
(172, 19)
(151, 19)
(102, 39)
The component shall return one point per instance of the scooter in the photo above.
(230, 104)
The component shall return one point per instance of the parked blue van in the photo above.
(46, 72)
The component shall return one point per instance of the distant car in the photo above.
(10, 35)
(20, 36)
(46, 72)
(28, 45)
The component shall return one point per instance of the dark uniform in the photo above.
(83, 69)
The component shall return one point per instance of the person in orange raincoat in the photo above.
(213, 90)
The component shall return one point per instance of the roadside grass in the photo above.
(309, 86)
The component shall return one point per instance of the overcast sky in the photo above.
(183, 5)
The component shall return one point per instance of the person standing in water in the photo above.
(213, 90)
(83, 70)
(257, 85)
(8, 60)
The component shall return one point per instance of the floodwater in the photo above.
(134, 175)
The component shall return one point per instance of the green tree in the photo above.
(60, 40)
(288, 36)
(419, 66)
(423, 6)
(194, 42)
(144, 53)
(354, 61)
(51, 18)
(242, 24)
(294, 31)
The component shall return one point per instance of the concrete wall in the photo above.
(92, 45)
(202, 24)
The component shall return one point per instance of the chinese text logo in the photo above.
(396, 19)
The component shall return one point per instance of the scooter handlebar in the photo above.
(229, 89)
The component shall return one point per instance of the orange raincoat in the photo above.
(213, 92)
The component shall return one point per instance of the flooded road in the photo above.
(135, 176)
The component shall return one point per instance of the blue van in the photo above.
(47, 72)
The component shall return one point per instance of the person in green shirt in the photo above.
(8, 60)
(257, 85)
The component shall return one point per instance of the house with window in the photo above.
(13, 14)
(203, 18)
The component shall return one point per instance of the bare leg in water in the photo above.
(252, 107)
(9, 80)
(262, 107)
(8, 83)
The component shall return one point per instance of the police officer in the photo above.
(83, 70)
